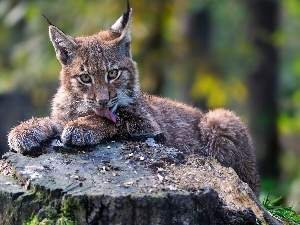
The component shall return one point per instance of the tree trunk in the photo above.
(198, 35)
(263, 85)
(152, 53)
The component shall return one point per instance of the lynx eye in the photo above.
(112, 74)
(85, 78)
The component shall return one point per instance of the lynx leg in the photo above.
(87, 130)
(225, 137)
(27, 136)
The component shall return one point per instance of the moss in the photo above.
(32, 221)
(51, 213)
(14, 172)
(47, 221)
(65, 221)
(51, 216)
(40, 196)
(68, 207)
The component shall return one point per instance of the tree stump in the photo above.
(123, 183)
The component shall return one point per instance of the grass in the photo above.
(286, 214)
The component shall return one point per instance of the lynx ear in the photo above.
(64, 45)
(122, 25)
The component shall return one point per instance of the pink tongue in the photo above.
(104, 112)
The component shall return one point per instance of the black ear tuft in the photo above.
(48, 20)
(122, 25)
(126, 15)
(128, 5)
(121, 31)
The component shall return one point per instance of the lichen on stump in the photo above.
(124, 183)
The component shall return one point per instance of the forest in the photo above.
(243, 55)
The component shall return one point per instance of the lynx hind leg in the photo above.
(225, 137)
(28, 135)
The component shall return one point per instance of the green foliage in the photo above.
(65, 221)
(51, 213)
(272, 188)
(215, 91)
(32, 221)
(290, 161)
(68, 208)
(286, 214)
(66, 215)
(47, 221)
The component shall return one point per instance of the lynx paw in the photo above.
(27, 136)
(79, 136)
(87, 130)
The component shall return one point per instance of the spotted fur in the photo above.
(99, 97)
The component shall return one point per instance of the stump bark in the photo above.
(123, 183)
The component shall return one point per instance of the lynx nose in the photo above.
(103, 102)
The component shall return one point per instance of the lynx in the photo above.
(99, 97)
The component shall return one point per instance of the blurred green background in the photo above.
(239, 54)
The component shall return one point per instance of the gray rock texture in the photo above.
(123, 183)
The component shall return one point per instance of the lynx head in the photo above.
(98, 69)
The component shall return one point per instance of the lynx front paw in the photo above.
(27, 136)
(80, 137)
(87, 131)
